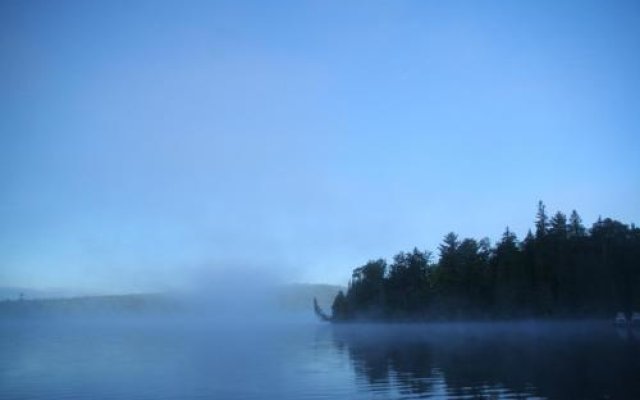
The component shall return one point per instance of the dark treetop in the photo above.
(561, 270)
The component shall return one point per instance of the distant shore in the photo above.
(129, 303)
(289, 298)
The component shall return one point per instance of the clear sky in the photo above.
(142, 141)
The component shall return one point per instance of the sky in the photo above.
(143, 144)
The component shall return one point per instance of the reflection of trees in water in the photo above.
(381, 357)
(578, 362)
(413, 367)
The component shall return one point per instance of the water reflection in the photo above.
(185, 358)
(552, 360)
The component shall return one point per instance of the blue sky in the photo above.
(143, 141)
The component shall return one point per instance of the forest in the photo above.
(560, 270)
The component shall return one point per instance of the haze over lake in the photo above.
(319, 199)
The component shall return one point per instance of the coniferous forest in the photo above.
(560, 270)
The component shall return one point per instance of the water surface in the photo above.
(173, 358)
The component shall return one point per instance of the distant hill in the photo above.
(299, 296)
(289, 298)
(14, 293)
(93, 305)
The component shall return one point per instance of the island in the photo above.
(560, 270)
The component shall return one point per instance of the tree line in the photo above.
(562, 269)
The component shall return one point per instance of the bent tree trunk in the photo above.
(321, 314)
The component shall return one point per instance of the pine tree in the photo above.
(558, 226)
(542, 221)
(576, 229)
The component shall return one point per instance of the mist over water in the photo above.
(193, 356)
(170, 172)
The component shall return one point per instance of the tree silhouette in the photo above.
(542, 221)
(562, 270)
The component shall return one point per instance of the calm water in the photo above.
(181, 359)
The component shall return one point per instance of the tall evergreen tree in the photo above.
(576, 229)
(558, 226)
(508, 274)
(367, 288)
(448, 275)
(542, 221)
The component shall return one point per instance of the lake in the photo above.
(182, 358)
